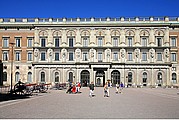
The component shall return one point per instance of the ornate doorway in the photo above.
(115, 77)
(100, 78)
(85, 78)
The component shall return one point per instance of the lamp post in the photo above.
(12, 59)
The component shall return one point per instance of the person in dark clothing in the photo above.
(91, 87)
(70, 88)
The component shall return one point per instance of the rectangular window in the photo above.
(85, 42)
(71, 56)
(100, 41)
(115, 41)
(144, 41)
(43, 42)
(130, 41)
(5, 42)
(17, 56)
(43, 56)
(159, 42)
(70, 42)
(29, 56)
(5, 55)
(159, 56)
(29, 42)
(144, 56)
(18, 42)
(57, 55)
(85, 56)
(100, 57)
(57, 42)
(115, 56)
(173, 42)
(130, 56)
(173, 57)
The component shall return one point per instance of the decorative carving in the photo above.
(137, 52)
(36, 52)
(108, 53)
(63, 53)
(122, 53)
(152, 53)
(77, 53)
(50, 52)
(167, 53)
(92, 53)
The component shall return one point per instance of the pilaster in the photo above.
(107, 38)
(92, 37)
(36, 37)
(50, 38)
(152, 37)
(137, 37)
(78, 38)
(64, 38)
(122, 37)
(166, 37)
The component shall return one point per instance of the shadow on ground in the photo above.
(6, 97)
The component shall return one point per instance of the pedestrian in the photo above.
(74, 88)
(106, 90)
(91, 87)
(117, 88)
(121, 87)
(79, 86)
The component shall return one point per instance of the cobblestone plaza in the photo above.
(134, 103)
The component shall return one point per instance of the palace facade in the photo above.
(136, 51)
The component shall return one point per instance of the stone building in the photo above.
(136, 51)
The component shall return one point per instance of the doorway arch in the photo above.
(100, 78)
(115, 77)
(85, 78)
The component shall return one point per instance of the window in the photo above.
(144, 77)
(5, 42)
(42, 76)
(174, 78)
(17, 76)
(144, 56)
(159, 56)
(17, 56)
(70, 42)
(130, 56)
(29, 77)
(43, 42)
(85, 41)
(144, 41)
(57, 56)
(5, 56)
(173, 57)
(130, 41)
(56, 77)
(18, 42)
(129, 77)
(100, 41)
(159, 76)
(4, 76)
(173, 42)
(85, 56)
(71, 56)
(115, 41)
(100, 56)
(29, 42)
(57, 42)
(159, 42)
(29, 56)
(43, 56)
(115, 56)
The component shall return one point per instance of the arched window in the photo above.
(174, 78)
(56, 77)
(85, 77)
(42, 76)
(130, 77)
(70, 77)
(29, 77)
(115, 76)
(17, 76)
(159, 76)
(144, 77)
(4, 76)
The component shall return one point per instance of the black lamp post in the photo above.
(12, 59)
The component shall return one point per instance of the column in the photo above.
(78, 38)
(152, 37)
(64, 38)
(166, 37)
(137, 81)
(91, 76)
(92, 37)
(35, 75)
(137, 37)
(77, 74)
(107, 38)
(50, 37)
(152, 78)
(36, 37)
(122, 37)
(108, 73)
(49, 76)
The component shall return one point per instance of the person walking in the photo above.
(106, 90)
(121, 87)
(91, 87)
(117, 88)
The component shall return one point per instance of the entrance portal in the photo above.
(100, 78)
(115, 76)
(85, 78)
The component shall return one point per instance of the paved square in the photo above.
(133, 103)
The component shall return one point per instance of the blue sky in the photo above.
(87, 8)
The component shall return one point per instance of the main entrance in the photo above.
(100, 78)
(115, 77)
(85, 78)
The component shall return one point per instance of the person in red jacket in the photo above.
(74, 89)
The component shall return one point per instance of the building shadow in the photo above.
(7, 97)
